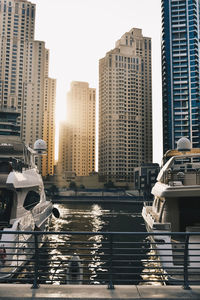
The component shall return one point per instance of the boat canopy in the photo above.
(171, 153)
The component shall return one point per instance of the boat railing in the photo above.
(188, 176)
(8, 164)
(148, 203)
(106, 258)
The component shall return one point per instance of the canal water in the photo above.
(115, 217)
(104, 217)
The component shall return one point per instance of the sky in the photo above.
(80, 32)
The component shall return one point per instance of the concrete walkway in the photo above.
(89, 292)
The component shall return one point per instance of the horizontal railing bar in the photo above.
(15, 261)
(99, 233)
(80, 248)
(130, 249)
(18, 253)
(141, 245)
(100, 243)
(102, 261)
(14, 248)
(17, 242)
(66, 250)
(99, 270)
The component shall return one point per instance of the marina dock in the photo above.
(97, 199)
(88, 292)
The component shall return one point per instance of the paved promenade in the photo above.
(89, 292)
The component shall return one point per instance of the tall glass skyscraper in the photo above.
(180, 72)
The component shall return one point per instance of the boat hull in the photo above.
(165, 191)
(171, 254)
(20, 248)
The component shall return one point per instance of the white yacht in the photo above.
(23, 204)
(176, 209)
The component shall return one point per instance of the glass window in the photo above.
(6, 199)
(31, 200)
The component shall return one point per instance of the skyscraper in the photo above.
(23, 76)
(17, 23)
(125, 107)
(180, 72)
(33, 92)
(77, 134)
(48, 126)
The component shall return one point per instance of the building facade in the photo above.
(77, 134)
(180, 72)
(125, 107)
(48, 126)
(8, 123)
(17, 24)
(24, 82)
(33, 96)
(65, 149)
(145, 178)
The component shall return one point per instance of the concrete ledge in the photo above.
(89, 292)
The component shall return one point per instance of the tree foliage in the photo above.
(73, 185)
(109, 185)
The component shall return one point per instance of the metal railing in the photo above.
(107, 258)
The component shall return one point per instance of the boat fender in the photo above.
(56, 213)
(147, 243)
(36, 228)
(2, 255)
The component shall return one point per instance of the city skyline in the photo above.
(83, 30)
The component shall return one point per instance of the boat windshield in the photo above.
(190, 162)
(184, 163)
(6, 200)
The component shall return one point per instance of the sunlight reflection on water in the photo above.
(91, 248)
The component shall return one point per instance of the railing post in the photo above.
(110, 284)
(185, 269)
(36, 265)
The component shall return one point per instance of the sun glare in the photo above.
(81, 33)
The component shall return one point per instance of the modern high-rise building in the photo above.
(77, 134)
(48, 127)
(33, 94)
(125, 107)
(65, 164)
(17, 23)
(23, 77)
(180, 72)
